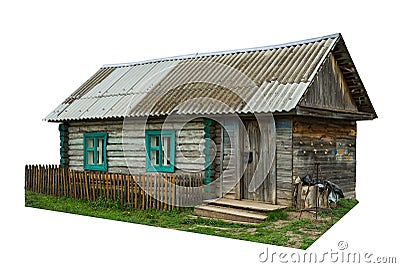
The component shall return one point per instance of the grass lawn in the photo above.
(281, 227)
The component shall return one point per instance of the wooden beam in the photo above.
(332, 113)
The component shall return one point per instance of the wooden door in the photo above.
(254, 169)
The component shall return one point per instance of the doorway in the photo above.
(262, 188)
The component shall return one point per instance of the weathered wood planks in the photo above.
(141, 191)
(332, 143)
(284, 160)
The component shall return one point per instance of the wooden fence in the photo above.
(161, 191)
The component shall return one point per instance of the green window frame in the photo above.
(160, 150)
(95, 151)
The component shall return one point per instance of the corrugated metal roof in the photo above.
(265, 79)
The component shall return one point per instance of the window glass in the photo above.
(99, 151)
(90, 157)
(90, 143)
(155, 157)
(155, 141)
(166, 144)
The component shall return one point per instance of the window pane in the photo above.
(90, 157)
(90, 143)
(166, 149)
(99, 151)
(155, 141)
(155, 157)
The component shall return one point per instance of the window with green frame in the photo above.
(160, 150)
(94, 151)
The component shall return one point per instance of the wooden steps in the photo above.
(242, 211)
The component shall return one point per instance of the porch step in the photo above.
(230, 196)
(229, 214)
(243, 211)
(247, 205)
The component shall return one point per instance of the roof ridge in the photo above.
(223, 52)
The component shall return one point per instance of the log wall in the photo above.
(189, 144)
(332, 143)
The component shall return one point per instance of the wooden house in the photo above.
(201, 113)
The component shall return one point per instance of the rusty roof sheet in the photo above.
(256, 80)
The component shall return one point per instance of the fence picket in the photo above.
(123, 180)
(40, 180)
(165, 198)
(128, 199)
(135, 191)
(150, 191)
(142, 191)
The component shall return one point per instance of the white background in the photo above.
(48, 49)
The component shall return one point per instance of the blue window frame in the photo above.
(160, 150)
(94, 151)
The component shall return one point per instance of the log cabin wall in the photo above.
(115, 153)
(189, 140)
(330, 142)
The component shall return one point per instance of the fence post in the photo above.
(96, 185)
(142, 192)
(172, 191)
(123, 182)
(114, 186)
(169, 191)
(152, 194)
(48, 180)
(93, 185)
(161, 191)
(62, 172)
(132, 182)
(128, 197)
(26, 177)
(135, 190)
(37, 175)
(146, 191)
(39, 181)
(86, 185)
(165, 191)
(57, 182)
(43, 179)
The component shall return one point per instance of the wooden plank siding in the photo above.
(329, 89)
(228, 157)
(129, 145)
(258, 168)
(284, 160)
(231, 161)
(330, 142)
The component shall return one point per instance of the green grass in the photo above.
(282, 227)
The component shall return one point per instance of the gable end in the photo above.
(329, 89)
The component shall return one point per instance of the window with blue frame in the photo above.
(94, 151)
(160, 150)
